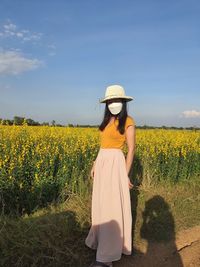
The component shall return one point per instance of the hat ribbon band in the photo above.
(114, 95)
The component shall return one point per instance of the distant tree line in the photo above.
(17, 120)
(169, 127)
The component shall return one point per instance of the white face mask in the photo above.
(115, 107)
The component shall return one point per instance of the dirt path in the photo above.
(188, 245)
(182, 252)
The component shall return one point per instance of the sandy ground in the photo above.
(182, 252)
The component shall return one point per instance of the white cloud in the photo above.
(52, 49)
(10, 30)
(52, 46)
(52, 54)
(191, 114)
(10, 27)
(19, 34)
(5, 87)
(13, 63)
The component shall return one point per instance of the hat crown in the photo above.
(114, 90)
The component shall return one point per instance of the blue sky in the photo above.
(58, 57)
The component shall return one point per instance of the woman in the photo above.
(111, 228)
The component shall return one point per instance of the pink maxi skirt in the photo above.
(111, 230)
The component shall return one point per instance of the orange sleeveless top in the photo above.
(110, 137)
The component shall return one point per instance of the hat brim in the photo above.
(127, 98)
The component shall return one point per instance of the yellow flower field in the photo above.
(41, 164)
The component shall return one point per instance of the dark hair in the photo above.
(121, 116)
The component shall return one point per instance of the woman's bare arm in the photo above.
(131, 141)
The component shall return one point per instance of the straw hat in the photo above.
(115, 91)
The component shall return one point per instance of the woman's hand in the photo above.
(130, 184)
(92, 172)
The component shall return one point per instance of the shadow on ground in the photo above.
(159, 232)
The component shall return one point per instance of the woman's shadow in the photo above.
(159, 230)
